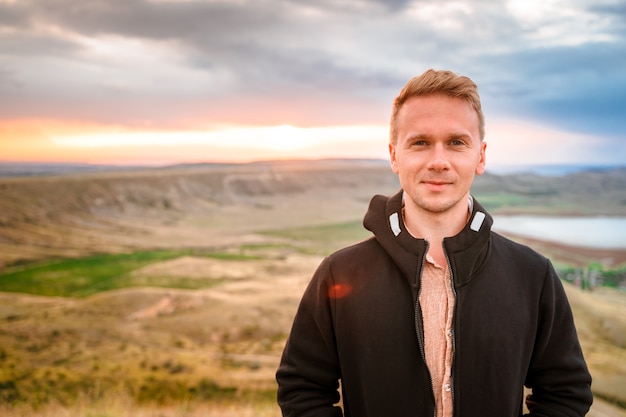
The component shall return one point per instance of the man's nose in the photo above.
(438, 158)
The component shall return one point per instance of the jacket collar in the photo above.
(466, 251)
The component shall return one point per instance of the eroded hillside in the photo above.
(73, 215)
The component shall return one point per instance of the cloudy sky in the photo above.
(164, 81)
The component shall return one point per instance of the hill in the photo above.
(586, 193)
(74, 215)
(152, 288)
(189, 206)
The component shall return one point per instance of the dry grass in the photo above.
(159, 343)
(601, 325)
(123, 406)
(231, 334)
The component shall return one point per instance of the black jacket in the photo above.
(359, 322)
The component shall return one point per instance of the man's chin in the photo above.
(436, 206)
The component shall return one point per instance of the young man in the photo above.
(435, 315)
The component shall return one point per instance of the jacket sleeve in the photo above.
(308, 374)
(558, 374)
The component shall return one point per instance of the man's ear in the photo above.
(480, 168)
(392, 158)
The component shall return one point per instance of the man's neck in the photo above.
(434, 227)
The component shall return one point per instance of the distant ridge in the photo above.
(33, 169)
(550, 170)
(29, 169)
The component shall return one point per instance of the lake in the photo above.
(594, 232)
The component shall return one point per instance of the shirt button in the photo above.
(447, 387)
(449, 332)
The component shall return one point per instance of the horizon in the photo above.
(43, 168)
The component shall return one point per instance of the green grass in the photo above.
(90, 275)
(492, 202)
(82, 277)
(323, 239)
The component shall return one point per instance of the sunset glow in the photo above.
(278, 138)
(39, 141)
(508, 143)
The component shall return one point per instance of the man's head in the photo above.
(437, 145)
(444, 83)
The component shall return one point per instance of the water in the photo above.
(593, 232)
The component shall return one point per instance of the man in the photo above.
(435, 315)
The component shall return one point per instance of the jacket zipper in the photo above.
(419, 329)
(452, 329)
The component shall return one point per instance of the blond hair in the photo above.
(434, 82)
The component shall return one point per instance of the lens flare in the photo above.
(339, 291)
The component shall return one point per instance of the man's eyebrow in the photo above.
(425, 136)
(419, 136)
(460, 135)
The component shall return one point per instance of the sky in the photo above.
(172, 81)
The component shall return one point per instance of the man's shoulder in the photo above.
(358, 253)
(361, 262)
(516, 249)
(366, 246)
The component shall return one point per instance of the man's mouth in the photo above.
(436, 182)
(436, 185)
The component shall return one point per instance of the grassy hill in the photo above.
(170, 292)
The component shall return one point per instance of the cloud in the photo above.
(563, 86)
(318, 62)
(518, 142)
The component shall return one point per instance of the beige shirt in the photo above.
(437, 303)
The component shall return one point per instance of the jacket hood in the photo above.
(466, 251)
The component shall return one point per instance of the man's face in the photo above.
(438, 152)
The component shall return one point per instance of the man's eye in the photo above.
(457, 142)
